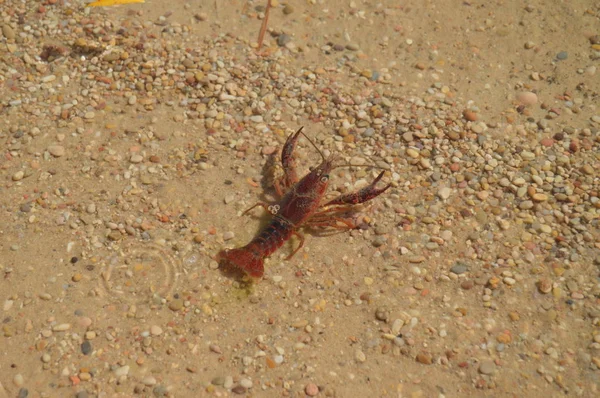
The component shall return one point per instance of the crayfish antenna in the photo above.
(312, 143)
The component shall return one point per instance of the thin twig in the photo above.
(263, 27)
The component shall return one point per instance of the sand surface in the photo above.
(132, 139)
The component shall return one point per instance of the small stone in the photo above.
(444, 193)
(239, 390)
(18, 176)
(89, 115)
(514, 316)
(122, 371)
(382, 314)
(176, 304)
(215, 348)
(587, 169)
(527, 98)
(229, 198)
(228, 235)
(459, 268)
(288, 9)
(56, 150)
(413, 153)
(61, 327)
(136, 158)
(18, 380)
(311, 389)
(547, 142)
(487, 367)
(86, 348)
(201, 16)
(8, 32)
(526, 205)
(425, 358)
(562, 55)
(467, 285)
(218, 381)
(544, 285)
(246, 383)
(132, 100)
(149, 380)
(156, 330)
(360, 356)
(283, 39)
(504, 338)
(469, 115)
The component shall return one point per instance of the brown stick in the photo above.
(263, 27)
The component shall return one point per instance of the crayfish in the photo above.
(300, 206)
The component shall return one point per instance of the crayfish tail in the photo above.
(244, 260)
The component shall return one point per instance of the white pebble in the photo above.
(122, 371)
(247, 383)
(62, 327)
(444, 193)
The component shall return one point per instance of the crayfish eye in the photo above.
(325, 178)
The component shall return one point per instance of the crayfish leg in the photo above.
(299, 246)
(363, 195)
(261, 204)
(323, 220)
(273, 209)
(288, 161)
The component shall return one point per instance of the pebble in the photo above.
(156, 330)
(176, 304)
(86, 348)
(527, 98)
(18, 176)
(444, 193)
(288, 9)
(283, 40)
(360, 356)
(8, 32)
(18, 380)
(424, 358)
(56, 150)
(246, 383)
(459, 268)
(122, 371)
(63, 327)
(469, 115)
(149, 380)
(311, 390)
(487, 367)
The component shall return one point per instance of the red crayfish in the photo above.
(300, 206)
